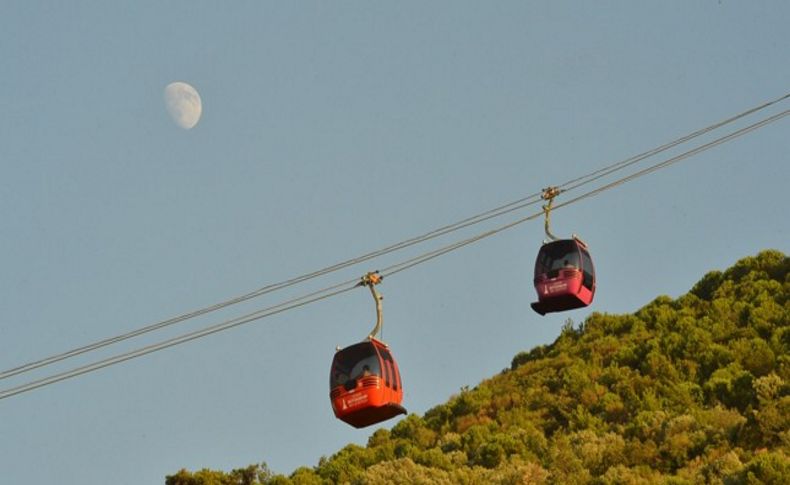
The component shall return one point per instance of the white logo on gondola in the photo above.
(354, 401)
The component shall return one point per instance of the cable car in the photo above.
(365, 386)
(564, 276)
(564, 271)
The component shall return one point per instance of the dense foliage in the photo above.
(692, 390)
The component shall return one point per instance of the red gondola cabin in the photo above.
(564, 276)
(364, 384)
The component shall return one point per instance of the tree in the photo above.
(688, 390)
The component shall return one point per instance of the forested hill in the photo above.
(690, 390)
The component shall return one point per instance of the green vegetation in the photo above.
(692, 390)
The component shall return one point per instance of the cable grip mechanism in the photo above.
(548, 194)
(371, 280)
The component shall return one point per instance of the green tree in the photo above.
(688, 390)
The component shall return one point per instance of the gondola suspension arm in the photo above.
(548, 194)
(371, 280)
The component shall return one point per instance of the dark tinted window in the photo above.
(589, 272)
(354, 362)
(398, 382)
(390, 369)
(557, 255)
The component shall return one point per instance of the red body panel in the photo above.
(564, 292)
(368, 403)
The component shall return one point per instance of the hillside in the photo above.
(687, 390)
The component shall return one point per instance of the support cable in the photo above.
(476, 219)
(340, 288)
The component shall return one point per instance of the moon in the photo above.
(183, 104)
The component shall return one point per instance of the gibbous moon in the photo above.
(183, 104)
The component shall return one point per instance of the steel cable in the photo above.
(346, 286)
(467, 222)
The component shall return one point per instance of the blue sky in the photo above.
(331, 129)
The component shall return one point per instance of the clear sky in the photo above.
(331, 129)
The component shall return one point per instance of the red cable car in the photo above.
(564, 276)
(564, 272)
(364, 382)
(365, 385)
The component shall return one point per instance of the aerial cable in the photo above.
(678, 158)
(476, 219)
(496, 212)
(315, 296)
(603, 172)
(457, 245)
(340, 288)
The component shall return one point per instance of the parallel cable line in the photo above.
(603, 172)
(469, 221)
(682, 156)
(457, 245)
(346, 286)
(499, 211)
(315, 296)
